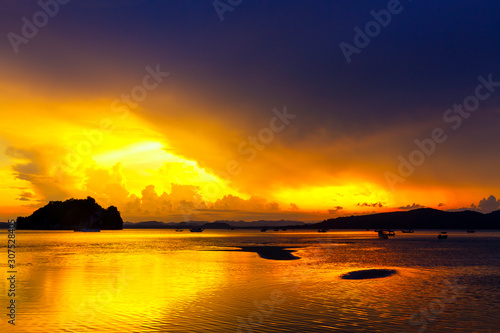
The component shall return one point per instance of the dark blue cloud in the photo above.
(283, 52)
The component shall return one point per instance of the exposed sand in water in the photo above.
(268, 252)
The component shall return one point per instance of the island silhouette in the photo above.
(422, 218)
(72, 214)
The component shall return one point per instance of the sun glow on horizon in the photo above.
(150, 165)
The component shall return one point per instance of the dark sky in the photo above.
(429, 54)
(354, 117)
(278, 52)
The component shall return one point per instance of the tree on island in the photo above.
(72, 214)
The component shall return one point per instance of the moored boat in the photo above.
(386, 232)
(196, 229)
(383, 234)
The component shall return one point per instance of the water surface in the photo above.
(165, 281)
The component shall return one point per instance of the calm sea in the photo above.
(167, 281)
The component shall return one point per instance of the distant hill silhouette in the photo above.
(262, 223)
(72, 214)
(146, 225)
(423, 218)
(162, 225)
(216, 225)
(222, 224)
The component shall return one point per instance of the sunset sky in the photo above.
(172, 114)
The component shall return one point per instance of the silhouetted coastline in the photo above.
(422, 218)
(91, 215)
(220, 224)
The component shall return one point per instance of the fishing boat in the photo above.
(263, 230)
(196, 229)
(179, 230)
(387, 232)
(407, 231)
(322, 230)
(383, 234)
(443, 235)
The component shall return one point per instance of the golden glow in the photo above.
(138, 152)
(151, 163)
(122, 283)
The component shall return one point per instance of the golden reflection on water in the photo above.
(151, 286)
(80, 287)
(160, 281)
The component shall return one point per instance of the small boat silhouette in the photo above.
(383, 234)
(471, 231)
(443, 235)
(408, 231)
(322, 230)
(263, 230)
(196, 229)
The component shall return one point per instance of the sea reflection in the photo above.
(160, 281)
